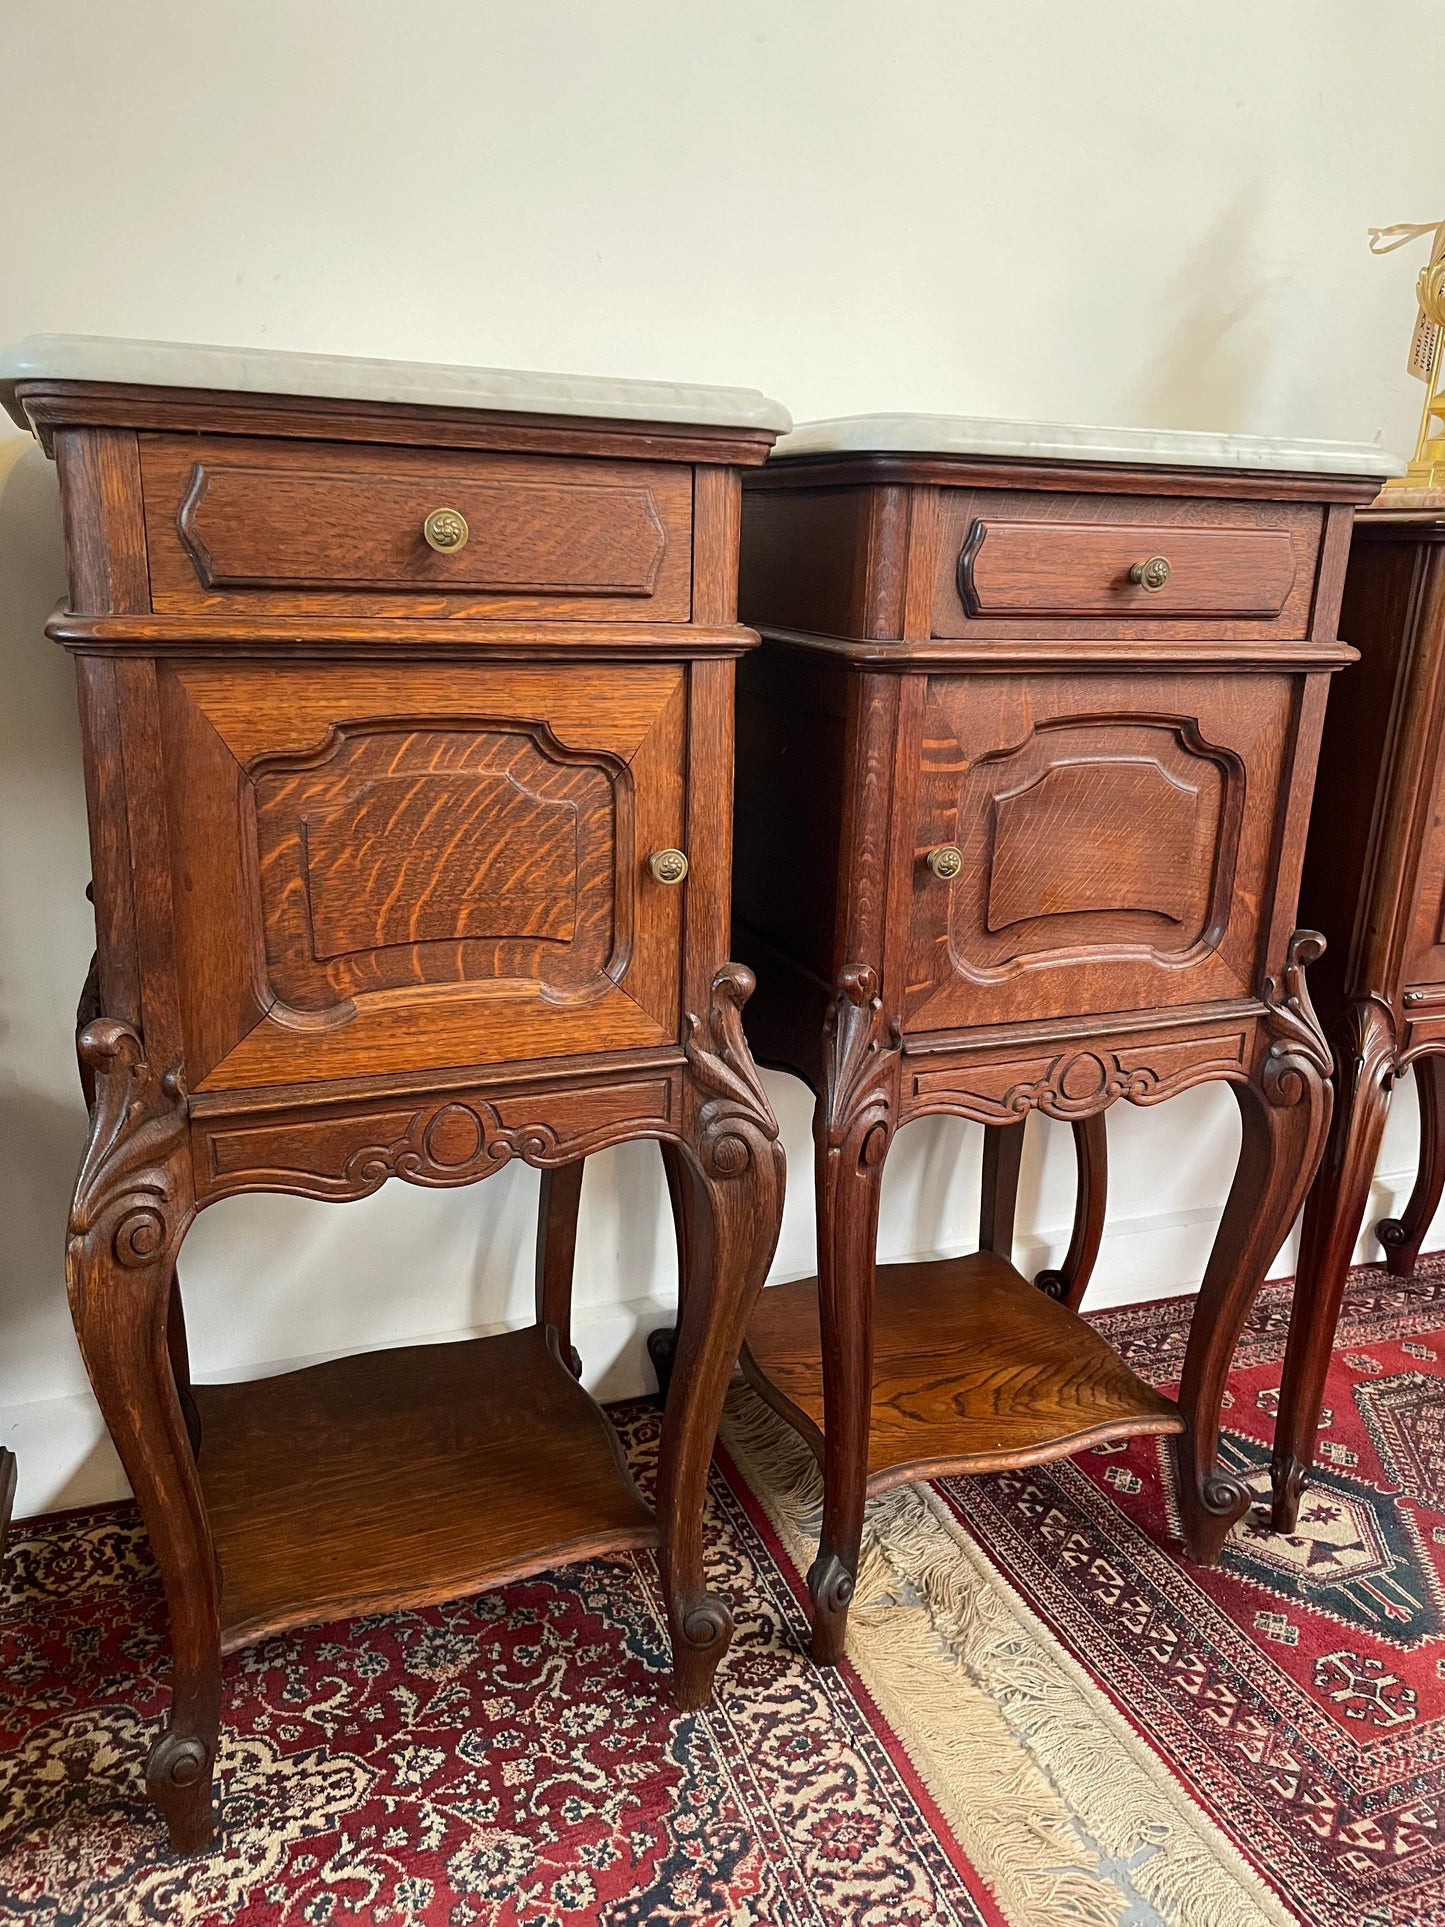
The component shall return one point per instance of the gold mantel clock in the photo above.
(1423, 483)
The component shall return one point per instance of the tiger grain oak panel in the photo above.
(410, 861)
(267, 527)
(1120, 836)
(1116, 837)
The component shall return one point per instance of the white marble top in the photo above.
(271, 371)
(1061, 441)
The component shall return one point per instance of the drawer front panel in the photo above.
(1116, 837)
(393, 869)
(1038, 565)
(285, 527)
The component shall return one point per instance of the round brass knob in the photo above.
(446, 530)
(946, 861)
(1152, 574)
(667, 866)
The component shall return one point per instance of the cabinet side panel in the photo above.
(100, 497)
(805, 559)
(791, 732)
(1374, 618)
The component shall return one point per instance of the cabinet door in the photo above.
(1117, 838)
(421, 866)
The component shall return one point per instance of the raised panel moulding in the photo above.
(480, 856)
(247, 526)
(1094, 835)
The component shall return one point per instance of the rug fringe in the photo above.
(1024, 1755)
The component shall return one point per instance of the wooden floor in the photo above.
(974, 1370)
(399, 1478)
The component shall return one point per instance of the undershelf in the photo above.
(974, 1370)
(400, 1478)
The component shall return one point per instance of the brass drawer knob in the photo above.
(667, 866)
(446, 530)
(1152, 574)
(946, 861)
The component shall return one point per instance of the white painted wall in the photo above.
(1124, 212)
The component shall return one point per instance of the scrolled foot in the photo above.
(702, 1633)
(830, 1586)
(178, 1779)
(1287, 1475)
(662, 1350)
(1053, 1284)
(1211, 1502)
(1399, 1248)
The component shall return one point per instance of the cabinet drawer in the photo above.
(415, 866)
(322, 528)
(1015, 564)
(1115, 836)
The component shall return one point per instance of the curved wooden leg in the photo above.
(852, 1130)
(662, 1343)
(132, 1205)
(1091, 1155)
(1364, 1059)
(1285, 1113)
(180, 1356)
(732, 1204)
(1003, 1149)
(1402, 1236)
(557, 1210)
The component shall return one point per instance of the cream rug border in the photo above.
(1059, 1804)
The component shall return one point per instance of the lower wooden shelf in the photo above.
(974, 1370)
(400, 1478)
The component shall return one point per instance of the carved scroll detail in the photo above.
(735, 1122)
(1298, 1052)
(132, 1197)
(419, 1158)
(861, 1054)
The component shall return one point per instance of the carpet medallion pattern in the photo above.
(1046, 1717)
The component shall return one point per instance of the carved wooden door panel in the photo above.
(1116, 836)
(412, 866)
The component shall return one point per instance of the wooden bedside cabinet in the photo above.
(407, 702)
(1024, 767)
(1374, 882)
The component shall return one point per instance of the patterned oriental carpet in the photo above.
(1046, 1718)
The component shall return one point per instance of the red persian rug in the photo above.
(1047, 1719)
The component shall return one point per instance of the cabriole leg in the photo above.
(1285, 1112)
(731, 1195)
(1091, 1157)
(557, 1208)
(1003, 1149)
(1364, 1058)
(1403, 1236)
(133, 1202)
(662, 1343)
(852, 1130)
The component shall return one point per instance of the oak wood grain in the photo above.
(398, 1478)
(973, 1370)
(325, 528)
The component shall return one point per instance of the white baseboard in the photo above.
(65, 1458)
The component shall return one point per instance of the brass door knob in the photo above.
(667, 866)
(946, 861)
(1152, 574)
(446, 531)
